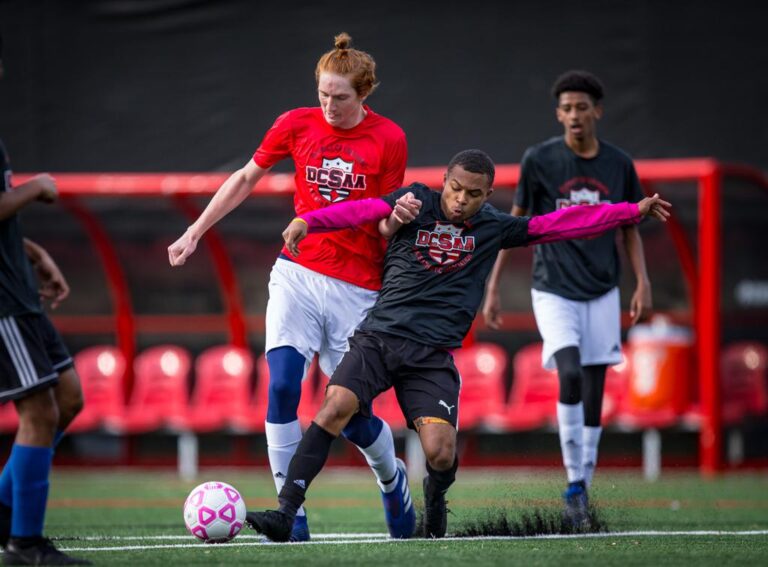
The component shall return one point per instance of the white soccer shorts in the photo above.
(313, 313)
(594, 326)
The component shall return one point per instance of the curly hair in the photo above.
(578, 81)
(474, 161)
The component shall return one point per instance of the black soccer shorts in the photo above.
(425, 379)
(32, 355)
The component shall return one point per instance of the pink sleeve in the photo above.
(581, 221)
(346, 215)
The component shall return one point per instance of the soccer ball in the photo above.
(214, 512)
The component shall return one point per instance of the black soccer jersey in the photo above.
(435, 270)
(18, 287)
(552, 177)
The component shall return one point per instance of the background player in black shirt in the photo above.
(434, 277)
(575, 283)
(36, 373)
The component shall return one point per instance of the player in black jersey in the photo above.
(36, 373)
(575, 283)
(442, 247)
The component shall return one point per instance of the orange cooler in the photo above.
(661, 356)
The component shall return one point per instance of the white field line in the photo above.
(239, 537)
(327, 539)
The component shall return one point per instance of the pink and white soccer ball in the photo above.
(214, 512)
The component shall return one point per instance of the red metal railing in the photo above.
(702, 276)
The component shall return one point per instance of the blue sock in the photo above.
(286, 369)
(363, 431)
(30, 467)
(6, 486)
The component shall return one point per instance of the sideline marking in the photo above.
(384, 538)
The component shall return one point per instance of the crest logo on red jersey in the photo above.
(445, 245)
(335, 179)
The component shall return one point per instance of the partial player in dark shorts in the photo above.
(424, 377)
(32, 355)
(36, 373)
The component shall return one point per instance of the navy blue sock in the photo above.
(363, 431)
(6, 485)
(30, 467)
(286, 369)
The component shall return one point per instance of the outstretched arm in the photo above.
(350, 214)
(587, 221)
(231, 193)
(336, 217)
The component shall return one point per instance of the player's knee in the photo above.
(69, 408)
(284, 397)
(40, 416)
(282, 388)
(338, 408)
(440, 452)
(441, 458)
(570, 385)
(286, 370)
(69, 397)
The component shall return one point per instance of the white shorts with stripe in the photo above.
(32, 355)
(313, 313)
(594, 326)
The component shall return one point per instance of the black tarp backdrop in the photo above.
(185, 85)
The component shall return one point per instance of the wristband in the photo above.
(300, 220)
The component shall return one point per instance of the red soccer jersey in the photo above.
(334, 165)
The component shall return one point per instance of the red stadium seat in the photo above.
(221, 395)
(311, 396)
(534, 394)
(482, 367)
(160, 392)
(102, 371)
(744, 391)
(535, 391)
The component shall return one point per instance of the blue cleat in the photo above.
(274, 525)
(300, 531)
(576, 500)
(398, 506)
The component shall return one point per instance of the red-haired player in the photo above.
(343, 151)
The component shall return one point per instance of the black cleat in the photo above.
(37, 551)
(274, 524)
(435, 511)
(5, 524)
